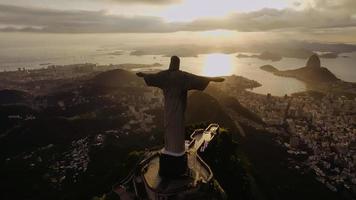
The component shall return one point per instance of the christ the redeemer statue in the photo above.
(175, 85)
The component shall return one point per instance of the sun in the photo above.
(217, 64)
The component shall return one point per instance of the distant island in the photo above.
(274, 56)
(116, 53)
(266, 55)
(273, 50)
(316, 77)
(329, 55)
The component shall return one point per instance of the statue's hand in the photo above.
(140, 74)
(218, 79)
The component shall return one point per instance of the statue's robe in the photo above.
(175, 85)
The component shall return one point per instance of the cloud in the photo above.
(319, 14)
(278, 19)
(154, 2)
(339, 5)
(297, 4)
(77, 21)
(346, 8)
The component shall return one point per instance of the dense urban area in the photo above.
(316, 129)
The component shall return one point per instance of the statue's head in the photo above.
(175, 62)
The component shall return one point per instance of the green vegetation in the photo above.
(229, 170)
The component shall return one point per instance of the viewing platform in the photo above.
(148, 184)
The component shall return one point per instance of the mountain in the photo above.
(116, 78)
(270, 56)
(313, 72)
(204, 108)
(232, 105)
(314, 62)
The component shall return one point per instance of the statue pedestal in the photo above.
(172, 166)
(167, 176)
(163, 187)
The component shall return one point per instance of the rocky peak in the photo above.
(314, 61)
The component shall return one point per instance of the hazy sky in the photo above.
(329, 20)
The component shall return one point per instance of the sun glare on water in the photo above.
(217, 64)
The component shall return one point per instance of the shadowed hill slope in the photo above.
(232, 104)
(116, 78)
(204, 108)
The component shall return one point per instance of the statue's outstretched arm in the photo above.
(155, 80)
(194, 82)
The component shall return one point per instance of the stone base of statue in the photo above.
(172, 166)
(161, 176)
